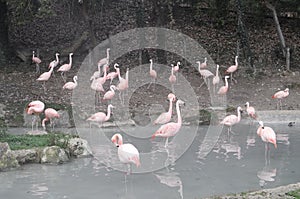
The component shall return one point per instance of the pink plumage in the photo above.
(35, 60)
(66, 67)
(166, 116)
(224, 89)
(281, 94)
(35, 107)
(251, 111)
(71, 85)
(267, 134)
(50, 114)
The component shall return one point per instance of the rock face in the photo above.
(54, 155)
(7, 157)
(79, 147)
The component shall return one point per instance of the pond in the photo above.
(235, 163)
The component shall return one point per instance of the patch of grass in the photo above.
(230, 109)
(17, 142)
(205, 115)
(295, 193)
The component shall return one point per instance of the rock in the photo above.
(7, 157)
(27, 156)
(54, 155)
(79, 147)
(2, 112)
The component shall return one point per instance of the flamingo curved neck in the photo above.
(108, 114)
(178, 114)
(226, 82)
(170, 106)
(57, 60)
(70, 58)
(239, 114)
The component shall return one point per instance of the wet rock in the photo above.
(27, 156)
(7, 157)
(79, 147)
(54, 155)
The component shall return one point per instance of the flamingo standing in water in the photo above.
(113, 75)
(101, 117)
(231, 120)
(45, 77)
(127, 153)
(224, 89)
(71, 85)
(166, 116)
(152, 73)
(280, 95)
(267, 135)
(110, 94)
(232, 69)
(37, 61)
(172, 78)
(105, 60)
(171, 128)
(216, 79)
(50, 114)
(250, 111)
(66, 67)
(35, 108)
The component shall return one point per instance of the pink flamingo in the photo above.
(176, 68)
(128, 154)
(97, 87)
(101, 117)
(172, 78)
(113, 75)
(280, 95)
(250, 110)
(55, 62)
(45, 77)
(110, 94)
(267, 135)
(37, 61)
(123, 85)
(171, 128)
(66, 67)
(50, 114)
(232, 69)
(216, 79)
(35, 108)
(204, 73)
(224, 89)
(71, 85)
(104, 61)
(166, 116)
(231, 120)
(152, 73)
(204, 64)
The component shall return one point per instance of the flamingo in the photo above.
(113, 75)
(250, 110)
(204, 73)
(110, 94)
(101, 117)
(204, 64)
(128, 154)
(71, 85)
(45, 77)
(170, 129)
(50, 114)
(55, 62)
(166, 116)
(35, 108)
(216, 79)
(104, 61)
(123, 85)
(152, 73)
(280, 95)
(231, 120)
(266, 134)
(176, 68)
(172, 78)
(223, 90)
(37, 61)
(232, 69)
(66, 67)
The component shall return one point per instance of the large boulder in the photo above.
(27, 156)
(79, 147)
(54, 155)
(7, 157)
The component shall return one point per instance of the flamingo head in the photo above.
(178, 63)
(75, 78)
(247, 104)
(71, 54)
(56, 54)
(261, 123)
(286, 90)
(117, 139)
(172, 97)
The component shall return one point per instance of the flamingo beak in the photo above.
(153, 136)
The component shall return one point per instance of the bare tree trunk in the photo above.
(279, 32)
(288, 59)
(89, 23)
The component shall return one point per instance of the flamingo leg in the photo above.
(167, 142)
(201, 84)
(63, 76)
(37, 68)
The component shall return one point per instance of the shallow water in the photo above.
(236, 163)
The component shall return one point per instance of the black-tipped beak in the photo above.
(117, 145)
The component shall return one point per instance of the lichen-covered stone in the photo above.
(7, 157)
(79, 147)
(54, 155)
(27, 156)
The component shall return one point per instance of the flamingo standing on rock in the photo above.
(37, 61)
(35, 108)
(127, 153)
(50, 114)
(267, 135)
(171, 128)
(166, 116)
(71, 85)
(204, 73)
(224, 89)
(55, 62)
(45, 77)
(152, 73)
(280, 95)
(123, 85)
(231, 120)
(204, 64)
(66, 67)
(232, 69)
(101, 117)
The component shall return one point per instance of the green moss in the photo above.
(230, 109)
(295, 193)
(30, 141)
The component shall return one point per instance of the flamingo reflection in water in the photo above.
(171, 179)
